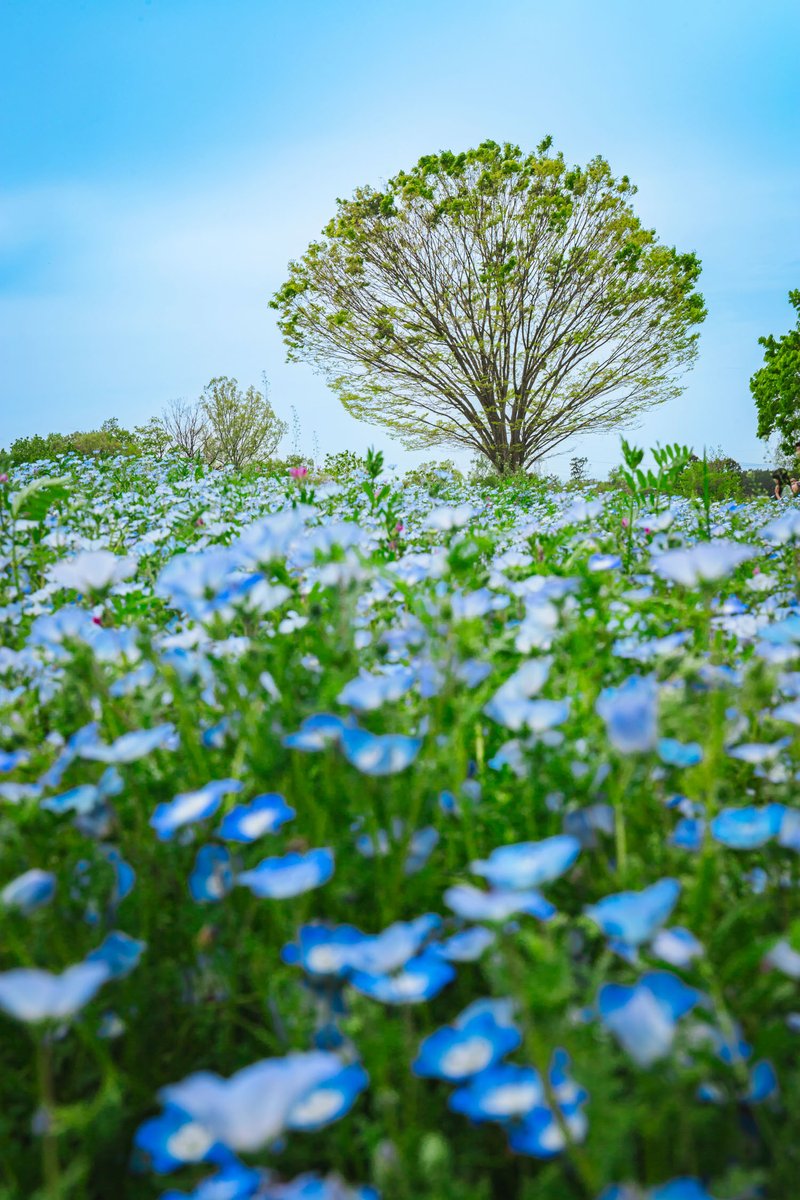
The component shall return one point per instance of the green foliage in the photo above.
(496, 300)
(776, 385)
(720, 478)
(242, 426)
(343, 465)
(106, 442)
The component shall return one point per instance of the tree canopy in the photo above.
(776, 385)
(495, 300)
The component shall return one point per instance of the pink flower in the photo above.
(399, 527)
(3, 478)
(625, 522)
(298, 472)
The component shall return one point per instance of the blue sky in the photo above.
(161, 160)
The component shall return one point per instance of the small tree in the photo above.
(186, 425)
(496, 300)
(776, 385)
(152, 439)
(242, 426)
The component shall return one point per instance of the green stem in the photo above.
(51, 1170)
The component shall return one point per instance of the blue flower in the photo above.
(630, 712)
(30, 891)
(328, 1101)
(419, 979)
(703, 562)
(474, 905)
(315, 1187)
(643, 1017)
(232, 1182)
(173, 1139)
(749, 827)
(458, 1052)
(212, 875)
(124, 874)
(763, 1083)
(501, 1093)
(529, 864)
(189, 807)
(679, 754)
(132, 746)
(322, 950)
(291, 875)
(368, 692)
(467, 946)
(252, 1107)
(33, 995)
(676, 946)
(316, 732)
(119, 953)
(248, 822)
(688, 834)
(684, 1188)
(379, 754)
(634, 917)
(11, 759)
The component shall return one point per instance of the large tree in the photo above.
(776, 385)
(494, 300)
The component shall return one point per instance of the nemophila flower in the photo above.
(763, 1083)
(539, 1134)
(370, 691)
(394, 946)
(291, 875)
(233, 1181)
(604, 562)
(679, 754)
(457, 1053)
(379, 754)
(316, 1187)
(502, 1093)
(91, 571)
(509, 706)
(676, 946)
(584, 824)
(445, 517)
(704, 562)
(248, 822)
(630, 712)
(252, 1107)
(189, 807)
(323, 950)
(173, 1139)
(747, 828)
(635, 917)
(528, 864)
(688, 834)
(326, 1102)
(783, 957)
(119, 953)
(644, 1017)
(316, 733)
(757, 753)
(212, 875)
(475, 905)
(11, 759)
(685, 1188)
(29, 891)
(467, 946)
(33, 995)
(132, 746)
(417, 980)
(467, 606)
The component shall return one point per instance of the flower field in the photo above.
(375, 837)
